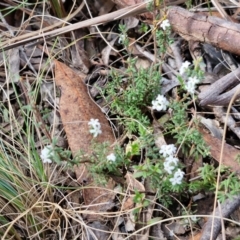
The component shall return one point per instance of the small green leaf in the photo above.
(138, 174)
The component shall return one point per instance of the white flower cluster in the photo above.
(171, 162)
(184, 67)
(168, 150)
(111, 157)
(46, 154)
(190, 84)
(177, 177)
(95, 127)
(165, 24)
(160, 103)
(122, 38)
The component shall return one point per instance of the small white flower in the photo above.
(46, 154)
(95, 127)
(177, 178)
(95, 131)
(160, 103)
(94, 123)
(172, 160)
(168, 150)
(190, 87)
(195, 80)
(184, 67)
(111, 157)
(165, 24)
(194, 218)
(122, 38)
(168, 167)
(170, 163)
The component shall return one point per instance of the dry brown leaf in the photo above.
(76, 109)
(229, 153)
(128, 204)
(104, 6)
(197, 236)
(133, 184)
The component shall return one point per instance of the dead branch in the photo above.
(228, 207)
(195, 26)
(214, 94)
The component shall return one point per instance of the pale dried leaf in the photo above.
(213, 126)
(117, 235)
(47, 92)
(142, 63)
(158, 135)
(130, 223)
(197, 197)
(107, 51)
(174, 227)
(167, 85)
(130, 22)
(14, 65)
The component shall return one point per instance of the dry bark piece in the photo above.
(76, 109)
(216, 31)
